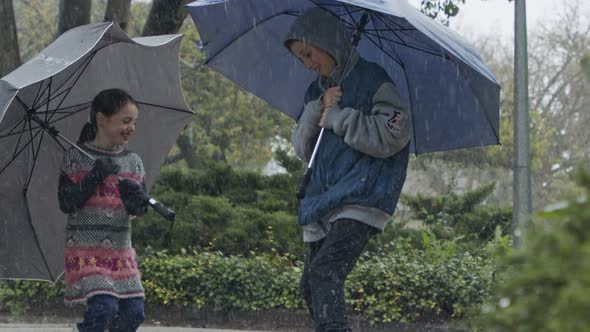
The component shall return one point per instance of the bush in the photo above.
(545, 285)
(408, 284)
(400, 283)
(461, 216)
(237, 212)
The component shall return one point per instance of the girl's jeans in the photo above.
(108, 312)
(327, 264)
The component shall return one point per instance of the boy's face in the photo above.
(313, 58)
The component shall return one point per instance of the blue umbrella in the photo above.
(453, 96)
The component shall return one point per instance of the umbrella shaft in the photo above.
(75, 146)
(315, 149)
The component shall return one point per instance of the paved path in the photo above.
(27, 327)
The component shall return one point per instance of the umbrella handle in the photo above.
(164, 211)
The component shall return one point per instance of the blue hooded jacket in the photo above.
(361, 162)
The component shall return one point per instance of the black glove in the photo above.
(133, 196)
(72, 196)
(104, 167)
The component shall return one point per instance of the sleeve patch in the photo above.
(395, 121)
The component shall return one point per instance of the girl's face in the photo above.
(313, 58)
(117, 129)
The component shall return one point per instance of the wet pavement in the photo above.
(32, 327)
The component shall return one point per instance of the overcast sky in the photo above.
(484, 17)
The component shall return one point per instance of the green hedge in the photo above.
(545, 284)
(400, 283)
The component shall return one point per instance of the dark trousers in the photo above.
(327, 264)
(108, 312)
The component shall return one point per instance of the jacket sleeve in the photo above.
(380, 134)
(306, 131)
(71, 195)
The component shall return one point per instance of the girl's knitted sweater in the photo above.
(99, 257)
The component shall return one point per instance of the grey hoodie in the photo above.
(324, 30)
(381, 131)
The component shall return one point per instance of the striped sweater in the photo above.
(99, 257)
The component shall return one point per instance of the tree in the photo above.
(118, 11)
(434, 9)
(559, 137)
(165, 17)
(10, 60)
(73, 13)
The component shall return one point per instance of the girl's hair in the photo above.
(108, 102)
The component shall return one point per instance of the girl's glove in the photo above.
(72, 196)
(104, 167)
(134, 197)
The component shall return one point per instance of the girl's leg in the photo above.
(100, 312)
(131, 315)
(328, 271)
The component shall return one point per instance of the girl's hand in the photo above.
(105, 167)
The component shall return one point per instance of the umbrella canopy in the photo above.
(453, 95)
(52, 92)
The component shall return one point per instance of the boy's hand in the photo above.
(332, 97)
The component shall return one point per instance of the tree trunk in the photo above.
(166, 17)
(10, 59)
(73, 13)
(118, 11)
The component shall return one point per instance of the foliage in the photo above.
(230, 124)
(235, 211)
(585, 63)
(401, 283)
(17, 296)
(220, 282)
(437, 8)
(408, 284)
(460, 216)
(545, 283)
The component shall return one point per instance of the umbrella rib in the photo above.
(444, 56)
(17, 153)
(32, 144)
(398, 61)
(39, 93)
(14, 154)
(12, 130)
(79, 71)
(62, 110)
(76, 80)
(67, 114)
(34, 231)
(35, 156)
(386, 20)
(49, 96)
(166, 107)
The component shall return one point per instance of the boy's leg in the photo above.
(328, 271)
(304, 286)
(100, 312)
(131, 315)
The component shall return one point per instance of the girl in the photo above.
(100, 266)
